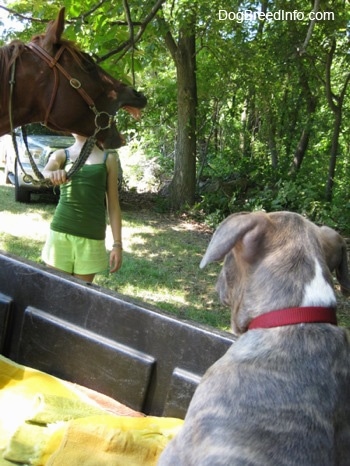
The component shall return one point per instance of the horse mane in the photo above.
(8, 54)
(81, 58)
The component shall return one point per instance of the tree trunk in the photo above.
(335, 103)
(301, 149)
(183, 185)
(333, 154)
(311, 105)
(272, 140)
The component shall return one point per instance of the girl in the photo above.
(76, 242)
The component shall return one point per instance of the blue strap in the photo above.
(66, 151)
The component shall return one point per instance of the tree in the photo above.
(183, 52)
(336, 103)
(241, 99)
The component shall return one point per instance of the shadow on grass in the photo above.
(29, 249)
(161, 266)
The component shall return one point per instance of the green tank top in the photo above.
(81, 210)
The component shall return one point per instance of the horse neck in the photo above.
(24, 106)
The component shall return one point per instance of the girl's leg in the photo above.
(87, 278)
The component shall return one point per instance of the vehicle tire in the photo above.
(21, 195)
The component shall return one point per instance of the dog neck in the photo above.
(295, 315)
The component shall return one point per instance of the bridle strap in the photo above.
(75, 83)
(53, 64)
(55, 88)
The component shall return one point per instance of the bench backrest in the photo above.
(138, 355)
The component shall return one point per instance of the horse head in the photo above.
(63, 87)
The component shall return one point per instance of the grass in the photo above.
(161, 267)
(160, 261)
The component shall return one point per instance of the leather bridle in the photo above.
(53, 63)
(76, 84)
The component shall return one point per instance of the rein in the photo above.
(76, 84)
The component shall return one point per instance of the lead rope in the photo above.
(83, 156)
(79, 162)
(42, 181)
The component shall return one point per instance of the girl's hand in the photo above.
(115, 259)
(58, 177)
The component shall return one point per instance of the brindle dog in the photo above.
(280, 396)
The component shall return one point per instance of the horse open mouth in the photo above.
(134, 112)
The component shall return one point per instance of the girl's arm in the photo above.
(53, 169)
(114, 212)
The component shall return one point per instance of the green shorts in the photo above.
(74, 254)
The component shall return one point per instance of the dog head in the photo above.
(275, 261)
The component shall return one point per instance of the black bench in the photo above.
(142, 357)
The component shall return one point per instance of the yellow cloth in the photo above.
(45, 422)
(19, 389)
(117, 441)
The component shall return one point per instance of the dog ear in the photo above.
(335, 251)
(245, 228)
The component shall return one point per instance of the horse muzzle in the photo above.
(111, 138)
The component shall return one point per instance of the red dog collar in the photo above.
(295, 315)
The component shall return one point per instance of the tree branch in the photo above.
(168, 37)
(32, 19)
(329, 93)
(92, 10)
(128, 20)
(315, 9)
(343, 92)
(132, 37)
(125, 46)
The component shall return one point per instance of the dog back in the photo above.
(280, 396)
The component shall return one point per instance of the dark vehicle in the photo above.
(42, 143)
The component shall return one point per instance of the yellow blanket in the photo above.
(45, 421)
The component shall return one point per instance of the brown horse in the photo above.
(50, 80)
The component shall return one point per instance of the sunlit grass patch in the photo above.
(160, 261)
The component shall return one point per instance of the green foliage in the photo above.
(261, 85)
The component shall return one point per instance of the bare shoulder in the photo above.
(111, 161)
(59, 156)
(56, 160)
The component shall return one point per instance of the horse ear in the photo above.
(54, 30)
